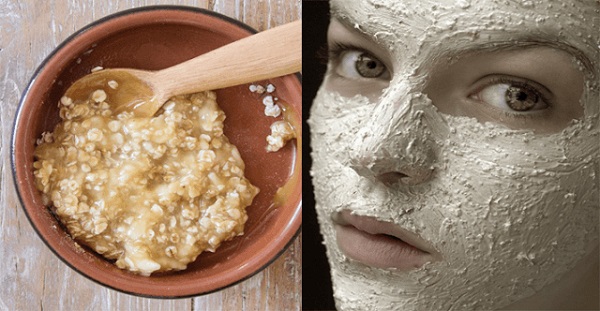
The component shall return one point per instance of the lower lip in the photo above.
(378, 250)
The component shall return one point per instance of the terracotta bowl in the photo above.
(154, 38)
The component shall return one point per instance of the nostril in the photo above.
(414, 177)
(390, 170)
(391, 178)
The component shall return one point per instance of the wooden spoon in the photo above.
(271, 53)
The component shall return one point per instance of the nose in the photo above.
(397, 146)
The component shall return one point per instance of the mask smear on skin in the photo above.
(510, 211)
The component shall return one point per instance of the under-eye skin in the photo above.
(354, 63)
(514, 96)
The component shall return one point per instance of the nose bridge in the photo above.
(397, 144)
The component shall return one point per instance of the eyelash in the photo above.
(327, 52)
(526, 84)
(336, 50)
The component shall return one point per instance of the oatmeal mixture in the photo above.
(281, 131)
(149, 193)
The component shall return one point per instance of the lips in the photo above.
(381, 244)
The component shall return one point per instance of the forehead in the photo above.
(416, 24)
(573, 12)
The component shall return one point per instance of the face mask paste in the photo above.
(509, 210)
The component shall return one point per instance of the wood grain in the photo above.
(32, 277)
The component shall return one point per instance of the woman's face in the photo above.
(470, 132)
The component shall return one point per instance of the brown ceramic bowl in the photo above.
(154, 38)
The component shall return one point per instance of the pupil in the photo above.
(368, 66)
(520, 99)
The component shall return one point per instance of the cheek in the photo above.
(515, 197)
(335, 125)
(507, 207)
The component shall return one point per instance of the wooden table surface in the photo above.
(31, 276)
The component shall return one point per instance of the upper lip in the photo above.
(373, 226)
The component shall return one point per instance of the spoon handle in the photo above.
(271, 53)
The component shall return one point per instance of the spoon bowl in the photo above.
(127, 87)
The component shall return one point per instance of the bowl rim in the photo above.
(297, 214)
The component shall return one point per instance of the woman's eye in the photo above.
(511, 96)
(358, 64)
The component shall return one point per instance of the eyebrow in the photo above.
(530, 42)
(350, 24)
(353, 26)
(513, 44)
(345, 20)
